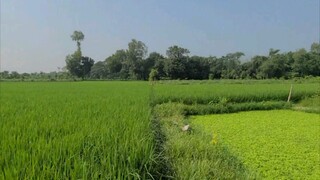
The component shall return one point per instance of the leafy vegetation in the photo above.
(77, 64)
(81, 130)
(279, 144)
(224, 107)
(135, 63)
(124, 130)
(212, 92)
(310, 104)
(191, 154)
(107, 122)
(197, 153)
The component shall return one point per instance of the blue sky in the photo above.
(35, 34)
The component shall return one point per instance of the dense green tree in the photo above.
(307, 63)
(116, 61)
(160, 67)
(175, 68)
(77, 64)
(176, 52)
(85, 65)
(255, 64)
(117, 65)
(14, 75)
(77, 36)
(136, 52)
(314, 64)
(5, 75)
(99, 70)
(275, 67)
(153, 58)
(197, 68)
(216, 67)
(300, 58)
(232, 65)
(175, 65)
(314, 61)
(27, 76)
(78, 68)
(73, 63)
(150, 63)
(245, 70)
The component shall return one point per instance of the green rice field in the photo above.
(205, 92)
(278, 144)
(132, 130)
(85, 130)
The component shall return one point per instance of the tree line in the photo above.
(135, 63)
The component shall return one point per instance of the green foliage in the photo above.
(134, 64)
(130, 63)
(275, 67)
(273, 52)
(219, 108)
(85, 66)
(73, 63)
(197, 68)
(77, 36)
(176, 68)
(154, 75)
(116, 61)
(211, 76)
(79, 66)
(204, 92)
(176, 52)
(154, 61)
(306, 63)
(99, 70)
(178, 65)
(198, 154)
(122, 130)
(315, 48)
(191, 154)
(136, 52)
(80, 130)
(310, 104)
(231, 69)
(278, 144)
(313, 101)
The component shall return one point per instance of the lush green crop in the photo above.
(75, 130)
(278, 144)
(190, 154)
(310, 104)
(206, 92)
(90, 130)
